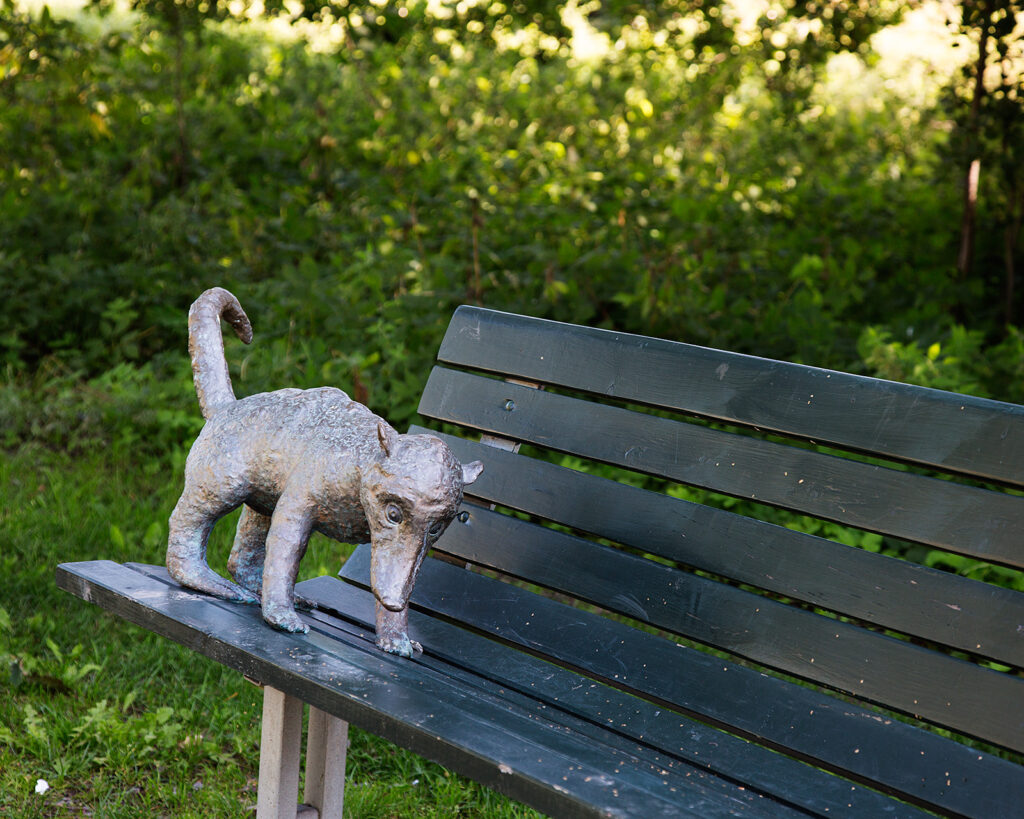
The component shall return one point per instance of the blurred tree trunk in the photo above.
(979, 14)
(992, 133)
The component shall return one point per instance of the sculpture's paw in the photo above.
(243, 595)
(286, 620)
(203, 578)
(230, 591)
(401, 645)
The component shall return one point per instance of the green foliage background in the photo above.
(353, 195)
(354, 174)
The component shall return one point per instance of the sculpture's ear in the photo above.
(387, 437)
(471, 471)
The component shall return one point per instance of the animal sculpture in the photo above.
(300, 461)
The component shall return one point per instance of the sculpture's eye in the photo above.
(436, 528)
(394, 513)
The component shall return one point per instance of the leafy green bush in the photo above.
(353, 199)
(960, 361)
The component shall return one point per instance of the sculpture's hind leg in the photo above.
(249, 550)
(190, 525)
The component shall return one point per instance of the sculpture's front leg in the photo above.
(287, 539)
(393, 632)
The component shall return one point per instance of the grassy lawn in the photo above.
(120, 722)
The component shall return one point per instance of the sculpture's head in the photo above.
(409, 497)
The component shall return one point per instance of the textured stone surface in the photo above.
(302, 461)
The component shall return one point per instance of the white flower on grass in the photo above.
(42, 786)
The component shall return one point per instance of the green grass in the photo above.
(120, 722)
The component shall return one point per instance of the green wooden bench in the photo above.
(592, 647)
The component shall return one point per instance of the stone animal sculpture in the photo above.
(302, 461)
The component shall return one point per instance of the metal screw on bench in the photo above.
(299, 461)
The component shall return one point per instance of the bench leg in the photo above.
(326, 748)
(280, 736)
(280, 739)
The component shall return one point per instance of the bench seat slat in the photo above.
(333, 597)
(964, 519)
(674, 735)
(485, 666)
(934, 605)
(950, 692)
(513, 751)
(974, 436)
(863, 744)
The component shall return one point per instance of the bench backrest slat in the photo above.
(914, 600)
(973, 436)
(963, 519)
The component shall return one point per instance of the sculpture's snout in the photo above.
(391, 585)
(393, 569)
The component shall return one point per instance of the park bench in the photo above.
(662, 635)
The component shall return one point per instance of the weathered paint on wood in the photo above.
(593, 708)
(984, 524)
(933, 605)
(515, 750)
(974, 436)
(865, 745)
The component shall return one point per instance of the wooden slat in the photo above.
(476, 677)
(671, 734)
(953, 432)
(927, 603)
(950, 692)
(444, 640)
(594, 710)
(505, 747)
(898, 758)
(983, 524)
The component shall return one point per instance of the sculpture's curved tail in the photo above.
(206, 346)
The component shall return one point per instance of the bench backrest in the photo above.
(894, 480)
